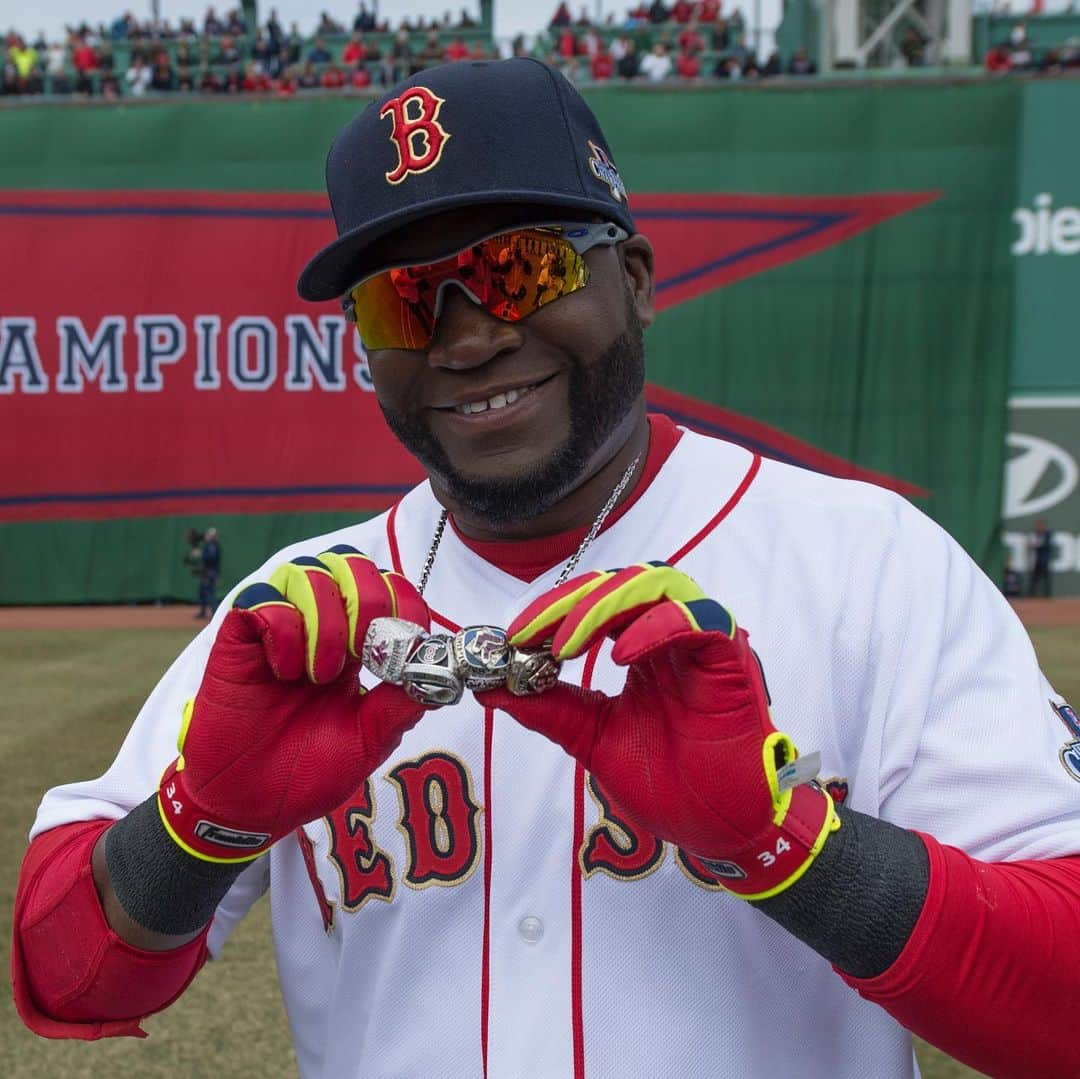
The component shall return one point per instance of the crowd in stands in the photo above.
(689, 41)
(133, 58)
(1018, 54)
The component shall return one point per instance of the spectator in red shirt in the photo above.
(997, 60)
(478, 52)
(359, 77)
(682, 12)
(354, 51)
(333, 78)
(84, 57)
(690, 40)
(709, 11)
(567, 44)
(688, 66)
(255, 81)
(286, 85)
(603, 66)
(457, 50)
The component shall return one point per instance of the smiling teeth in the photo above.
(500, 400)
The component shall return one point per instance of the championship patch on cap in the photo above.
(1069, 754)
(603, 168)
(416, 133)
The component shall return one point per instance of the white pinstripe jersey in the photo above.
(479, 910)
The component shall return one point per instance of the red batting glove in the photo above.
(688, 750)
(280, 731)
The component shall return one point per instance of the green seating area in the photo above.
(1044, 33)
(203, 54)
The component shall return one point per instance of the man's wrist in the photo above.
(858, 903)
(160, 886)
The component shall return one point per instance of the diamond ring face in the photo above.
(482, 656)
(387, 645)
(531, 671)
(429, 675)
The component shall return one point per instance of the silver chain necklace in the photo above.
(593, 532)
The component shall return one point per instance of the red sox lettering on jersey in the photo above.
(416, 132)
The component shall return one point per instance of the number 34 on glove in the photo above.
(688, 749)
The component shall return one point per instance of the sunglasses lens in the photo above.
(510, 276)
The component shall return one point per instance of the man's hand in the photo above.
(280, 731)
(688, 750)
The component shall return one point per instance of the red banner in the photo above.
(154, 356)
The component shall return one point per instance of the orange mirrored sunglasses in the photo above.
(510, 275)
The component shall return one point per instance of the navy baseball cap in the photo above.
(461, 134)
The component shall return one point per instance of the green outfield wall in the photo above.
(840, 287)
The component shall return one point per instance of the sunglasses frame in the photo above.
(581, 235)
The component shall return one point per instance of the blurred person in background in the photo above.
(801, 64)
(457, 49)
(627, 64)
(227, 55)
(274, 33)
(209, 82)
(329, 26)
(255, 79)
(364, 21)
(687, 65)
(212, 25)
(1041, 547)
(261, 49)
(433, 50)
(333, 78)
(308, 79)
(603, 66)
(353, 51)
(210, 572)
(319, 53)
(25, 59)
(656, 64)
(277, 65)
(138, 77)
(84, 56)
(295, 43)
(162, 78)
(56, 66)
(359, 77)
(562, 16)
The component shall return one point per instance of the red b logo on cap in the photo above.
(417, 133)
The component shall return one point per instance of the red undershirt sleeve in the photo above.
(987, 974)
(73, 977)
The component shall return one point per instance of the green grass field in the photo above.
(69, 698)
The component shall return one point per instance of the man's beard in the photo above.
(601, 395)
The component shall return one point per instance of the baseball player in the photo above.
(799, 788)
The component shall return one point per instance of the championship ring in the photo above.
(481, 656)
(531, 671)
(429, 675)
(387, 645)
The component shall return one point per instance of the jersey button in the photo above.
(531, 928)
